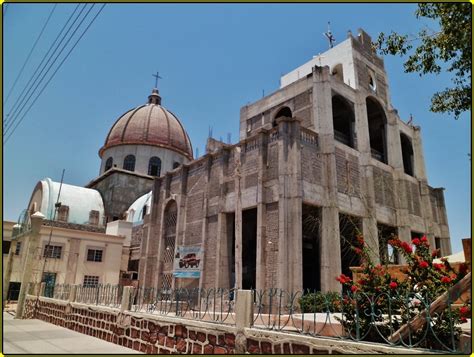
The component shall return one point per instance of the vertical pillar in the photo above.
(9, 264)
(369, 221)
(394, 147)
(419, 167)
(33, 238)
(238, 217)
(330, 247)
(205, 225)
(127, 298)
(72, 293)
(244, 309)
(261, 214)
(290, 270)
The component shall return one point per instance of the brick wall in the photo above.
(155, 334)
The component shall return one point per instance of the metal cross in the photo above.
(157, 75)
(330, 36)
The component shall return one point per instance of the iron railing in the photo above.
(363, 317)
(348, 316)
(106, 295)
(61, 291)
(212, 305)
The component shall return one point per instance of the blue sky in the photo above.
(213, 60)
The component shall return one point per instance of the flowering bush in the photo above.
(378, 304)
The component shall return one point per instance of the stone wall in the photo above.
(155, 334)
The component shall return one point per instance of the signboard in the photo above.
(187, 262)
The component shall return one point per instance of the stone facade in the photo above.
(318, 150)
(119, 189)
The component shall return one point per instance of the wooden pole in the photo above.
(438, 305)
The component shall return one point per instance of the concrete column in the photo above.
(9, 263)
(369, 221)
(290, 270)
(42, 288)
(127, 298)
(261, 214)
(204, 230)
(394, 147)
(238, 217)
(418, 155)
(33, 238)
(330, 247)
(244, 309)
(72, 293)
(222, 253)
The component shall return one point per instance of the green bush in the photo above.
(320, 302)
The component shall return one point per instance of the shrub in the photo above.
(378, 304)
(320, 302)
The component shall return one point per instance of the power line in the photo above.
(64, 59)
(29, 54)
(41, 63)
(28, 96)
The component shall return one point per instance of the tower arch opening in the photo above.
(343, 120)
(377, 136)
(407, 154)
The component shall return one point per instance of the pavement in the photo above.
(35, 336)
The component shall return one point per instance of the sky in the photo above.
(214, 59)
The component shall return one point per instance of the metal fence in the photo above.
(105, 295)
(212, 305)
(363, 317)
(350, 316)
(61, 291)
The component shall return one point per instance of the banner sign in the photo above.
(187, 262)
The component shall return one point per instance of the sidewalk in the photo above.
(35, 336)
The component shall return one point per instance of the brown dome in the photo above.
(150, 124)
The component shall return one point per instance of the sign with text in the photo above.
(187, 261)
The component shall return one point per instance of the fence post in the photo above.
(126, 298)
(72, 293)
(42, 288)
(244, 309)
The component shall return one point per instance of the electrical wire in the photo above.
(52, 76)
(25, 97)
(29, 55)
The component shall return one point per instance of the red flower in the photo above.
(438, 266)
(343, 279)
(360, 239)
(446, 279)
(358, 251)
(423, 264)
(393, 285)
(464, 311)
(463, 320)
(362, 282)
(435, 253)
(354, 288)
(394, 242)
(416, 241)
(406, 247)
(424, 239)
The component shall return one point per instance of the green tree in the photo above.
(448, 49)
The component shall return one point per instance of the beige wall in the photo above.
(73, 264)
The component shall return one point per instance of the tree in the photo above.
(448, 49)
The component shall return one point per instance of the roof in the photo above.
(81, 201)
(149, 124)
(135, 211)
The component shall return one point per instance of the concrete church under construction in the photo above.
(320, 160)
(324, 157)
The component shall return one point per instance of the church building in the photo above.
(319, 161)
